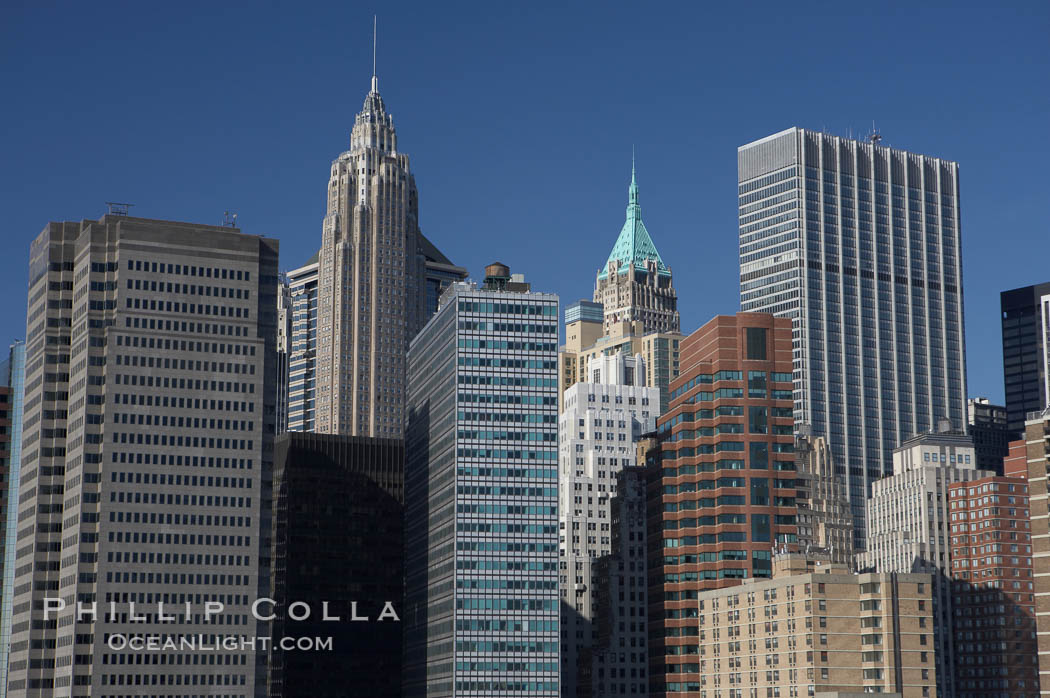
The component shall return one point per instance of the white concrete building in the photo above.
(598, 429)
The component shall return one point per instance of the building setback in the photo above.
(816, 629)
(146, 453)
(585, 341)
(859, 245)
(909, 525)
(603, 419)
(481, 495)
(337, 545)
(1026, 353)
(993, 599)
(1037, 444)
(722, 494)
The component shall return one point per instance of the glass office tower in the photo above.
(481, 495)
(859, 245)
(12, 376)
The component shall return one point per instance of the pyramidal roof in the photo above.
(633, 247)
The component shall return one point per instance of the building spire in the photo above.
(632, 191)
(375, 80)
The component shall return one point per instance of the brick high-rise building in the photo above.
(1037, 445)
(815, 629)
(993, 600)
(721, 496)
(146, 454)
(909, 524)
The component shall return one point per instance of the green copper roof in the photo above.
(633, 247)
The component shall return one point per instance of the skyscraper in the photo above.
(721, 496)
(12, 377)
(1026, 353)
(147, 454)
(370, 281)
(986, 423)
(284, 348)
(604, 417)
(302, 350)
(859, 245)
(481, 495)
(824, 519)
(634, 284)
(338, 519)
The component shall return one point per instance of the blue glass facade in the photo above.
(481, 498)
(302, 362)
(860, 245)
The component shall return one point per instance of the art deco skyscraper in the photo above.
(859, 245)
(146, 455)
(635, 284)
(371, 296)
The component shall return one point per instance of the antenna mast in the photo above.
(375, 80)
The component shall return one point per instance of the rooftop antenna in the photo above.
(118, 209)
(875, 138)
(229, 219)
(375, 80)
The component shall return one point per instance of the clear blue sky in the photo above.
(519, 120)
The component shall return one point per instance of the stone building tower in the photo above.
(635, 284)
(371, 268)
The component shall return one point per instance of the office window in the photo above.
(756, 343)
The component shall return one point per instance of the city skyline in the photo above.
(473, 186)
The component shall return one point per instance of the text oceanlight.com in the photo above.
(215, 643)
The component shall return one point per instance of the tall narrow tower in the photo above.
(370, 281)
(635, 284)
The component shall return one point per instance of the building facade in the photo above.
(146, 454)
(1026, 353)
(635, 285)
(618, 663)
(603, 419)
(481, 495)
(859, 245)
(302, 350)
(12, 390)
(284, 349)
(993, 597)
(824, 519)
(721, 495)
(909, 525)
(337, 544)
(440, 273)
(370, 281)
(816, 629)
(1037, 447)
(986, 424)
(586, 339)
